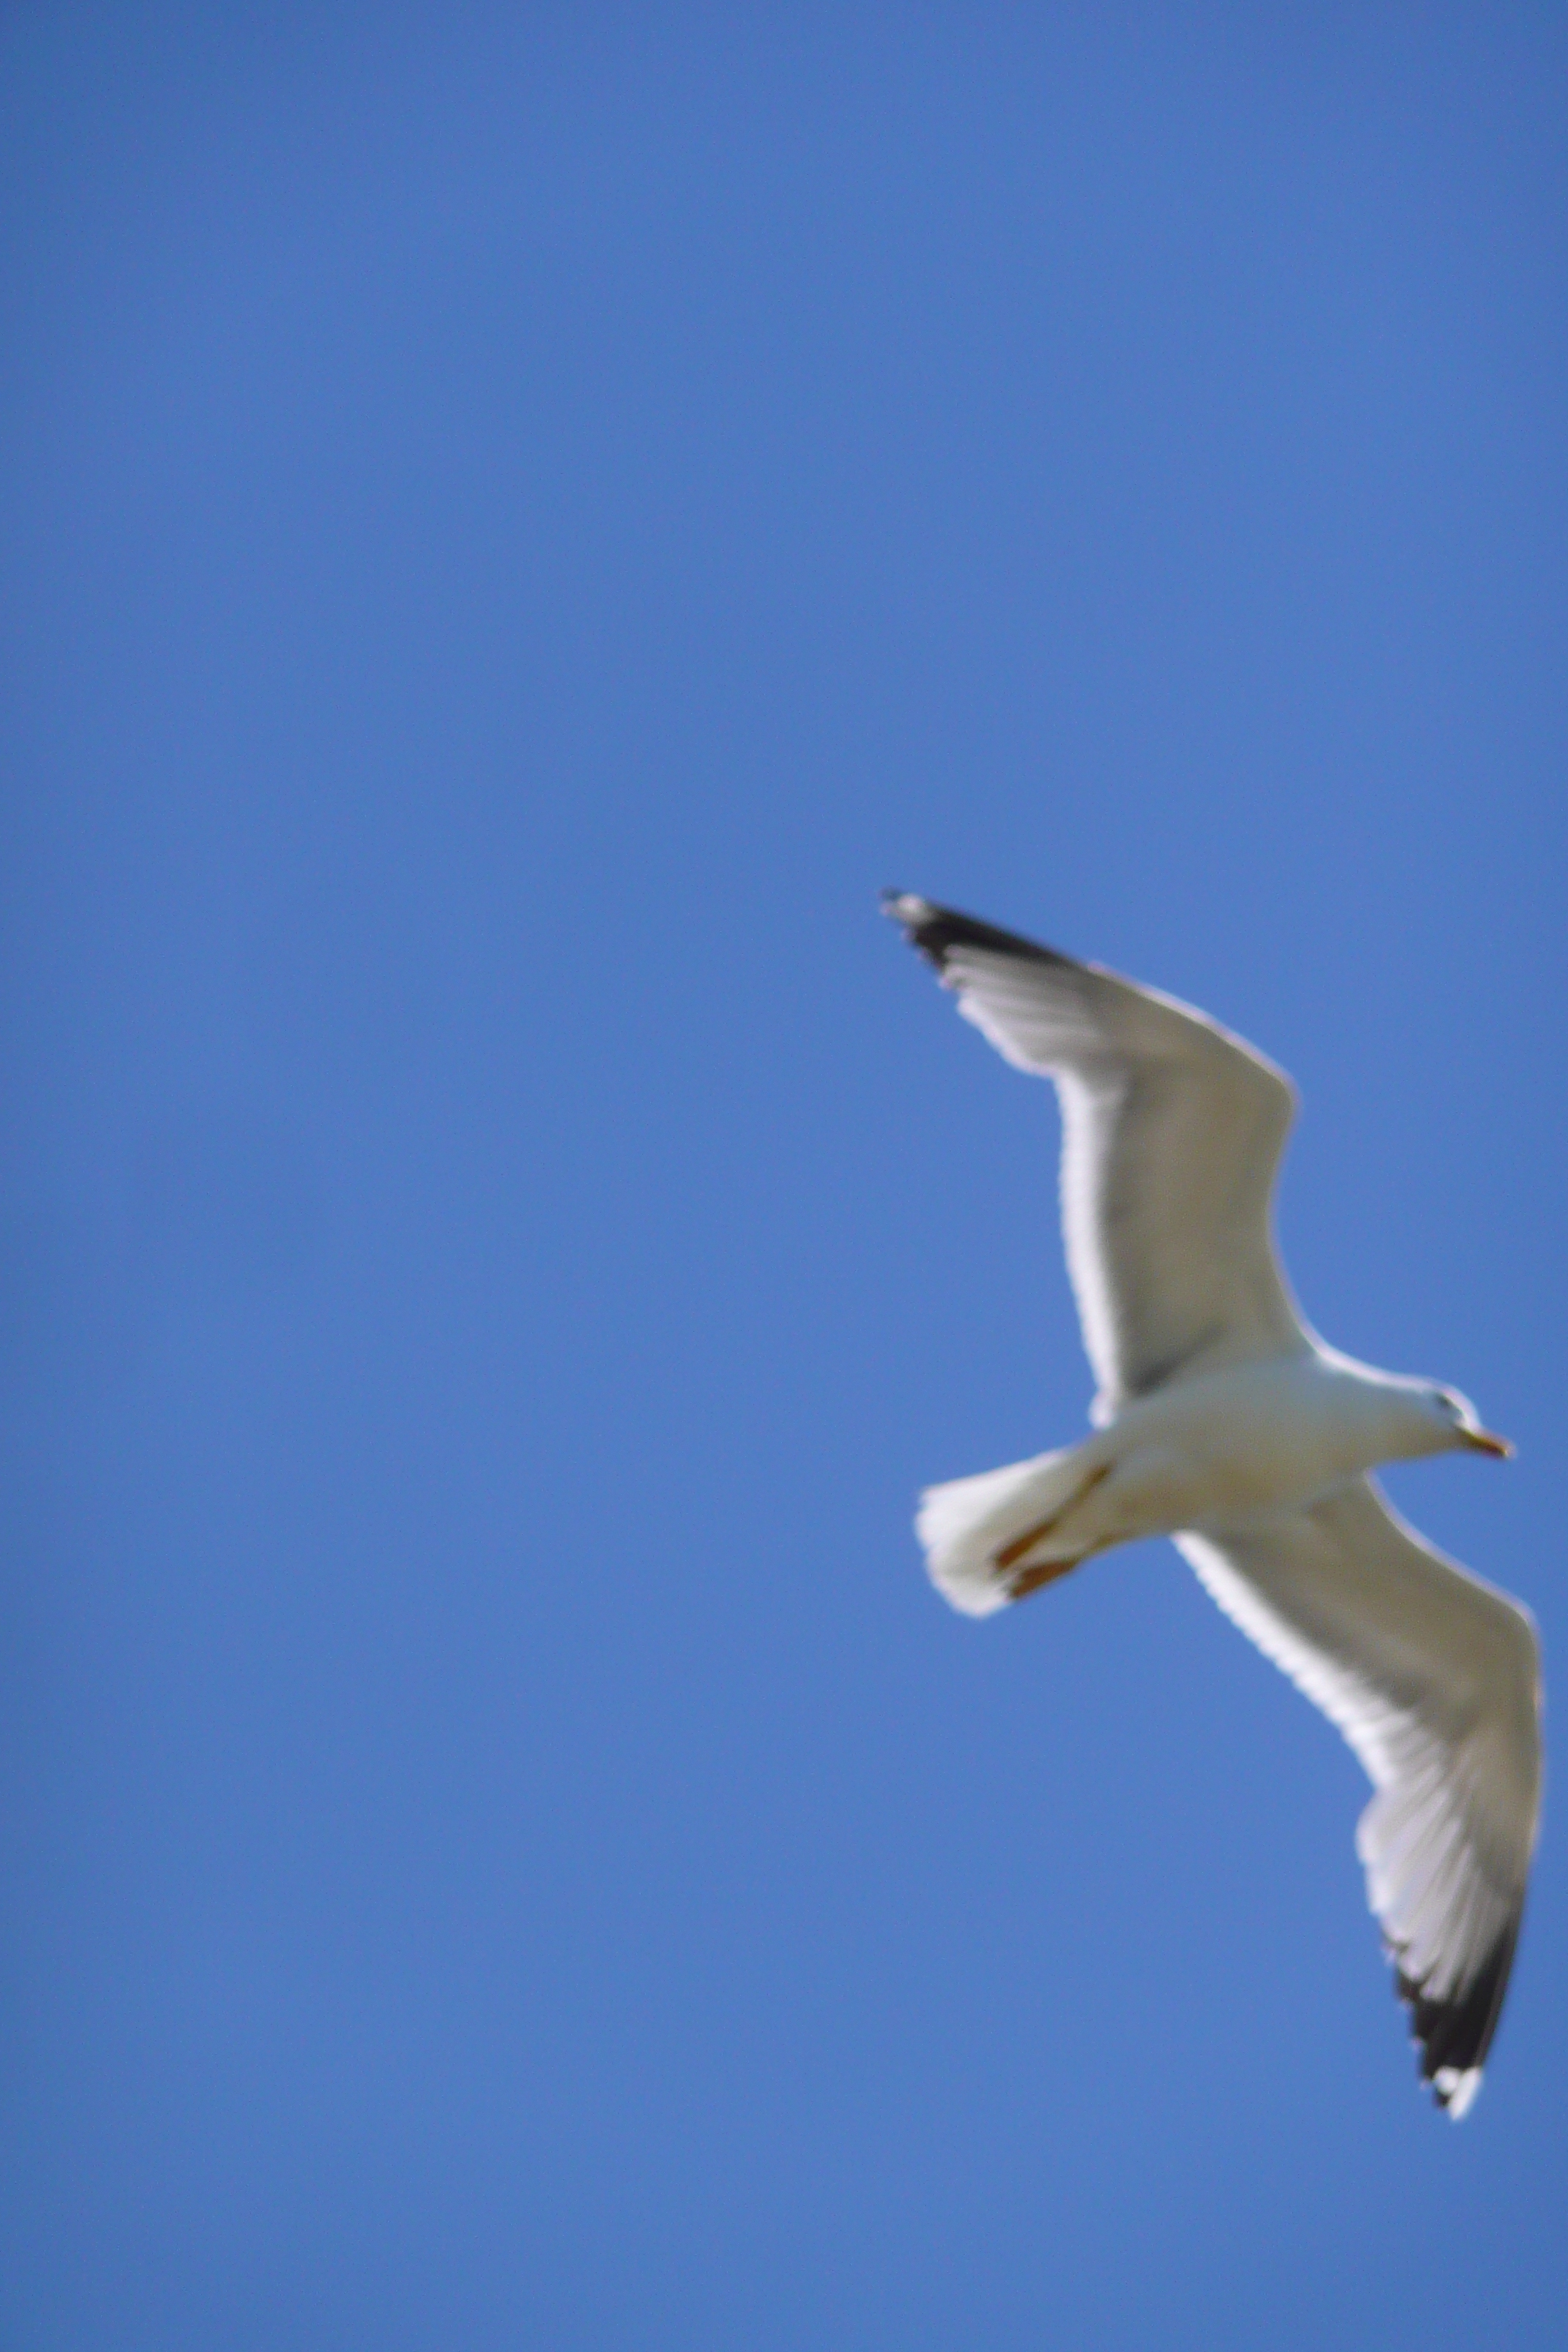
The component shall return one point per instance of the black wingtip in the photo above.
(1456, 2033)
(937, 930)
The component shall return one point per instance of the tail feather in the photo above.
(965, 1523)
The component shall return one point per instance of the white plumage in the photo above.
(1223, 1421)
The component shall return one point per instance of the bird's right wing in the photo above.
(1433, 1677)
(1172, 1134)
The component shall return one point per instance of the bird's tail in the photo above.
(966, 1524)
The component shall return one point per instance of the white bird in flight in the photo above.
(1223, 1422)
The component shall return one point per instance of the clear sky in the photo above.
(516, 521)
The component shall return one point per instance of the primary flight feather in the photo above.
(1225, 1422)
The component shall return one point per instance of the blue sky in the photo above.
(516, 522)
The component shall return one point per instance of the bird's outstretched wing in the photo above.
(1433, 1677)
(1172, 1135)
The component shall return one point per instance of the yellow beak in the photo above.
(1483, 1442)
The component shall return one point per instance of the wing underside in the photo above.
(1172, 1135)
(1433, 1678)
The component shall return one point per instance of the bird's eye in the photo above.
(1449, 1400)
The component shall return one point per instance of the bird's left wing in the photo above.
(1433, 1679)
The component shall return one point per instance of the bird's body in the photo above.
(1204, 1453)
(1223, 1422)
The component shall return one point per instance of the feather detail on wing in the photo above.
(1433, 1678)
(1172, 1135)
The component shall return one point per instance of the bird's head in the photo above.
(1454, 1423)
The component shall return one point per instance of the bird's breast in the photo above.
(1252, 1438)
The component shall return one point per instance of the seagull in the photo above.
(1223, 1422)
